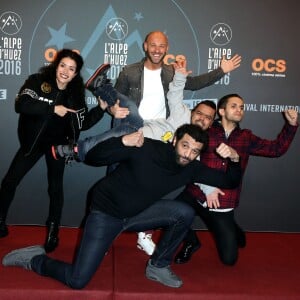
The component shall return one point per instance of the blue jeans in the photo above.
(120, 127)
(101, 229)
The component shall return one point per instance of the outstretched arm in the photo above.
(194, 83)
(175, 93)
(114, 150)
(278, 146)
(291, 116)
(179, 112)
(230, 64)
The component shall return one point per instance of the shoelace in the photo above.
(171, 273)
(69, 160)
(187, 249)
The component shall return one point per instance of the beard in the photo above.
(155, 62)
(182, 160)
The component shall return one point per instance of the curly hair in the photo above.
(76, 86)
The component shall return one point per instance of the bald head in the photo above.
(157, 35)
(156, 47)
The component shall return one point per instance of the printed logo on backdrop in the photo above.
(220, 35)
(191, 103)
(269, 67)
(3, 94)
(11, 23)
(116, 51)
(111, 33)
(117, 29)
(10, 45)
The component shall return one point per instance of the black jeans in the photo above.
(223, 226)
(19, 167)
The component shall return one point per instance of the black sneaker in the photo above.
(107, 93)
(98, 78)
(67, 152)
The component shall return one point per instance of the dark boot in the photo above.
(98, 78)
(52, 237)
(3, 228)
(190, 246)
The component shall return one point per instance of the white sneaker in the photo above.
(145, 243)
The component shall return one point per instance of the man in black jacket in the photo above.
(130, 199)
(146, 83)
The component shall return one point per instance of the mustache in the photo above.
(186, 158)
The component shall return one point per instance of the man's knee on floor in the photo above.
(77, 284)
(228, 259)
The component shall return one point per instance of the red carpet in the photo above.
(268, 268)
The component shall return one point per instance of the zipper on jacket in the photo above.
(41, 130)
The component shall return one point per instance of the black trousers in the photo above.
(19, 167)
(226, 232)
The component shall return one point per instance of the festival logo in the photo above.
(10, 44)
(111, 33)
(117, 29)
(11, 23)
(221, 34)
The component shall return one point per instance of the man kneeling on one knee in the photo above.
(130, 199)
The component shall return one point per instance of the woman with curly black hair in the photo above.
(52, 110)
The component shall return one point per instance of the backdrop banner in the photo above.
(264, 33)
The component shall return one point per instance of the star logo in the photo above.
(138, 16)
(59, 37)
